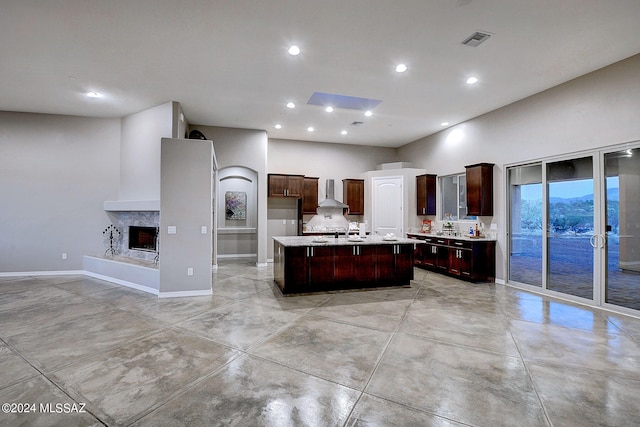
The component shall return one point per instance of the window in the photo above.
(454, 198)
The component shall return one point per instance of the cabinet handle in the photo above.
(459, 243)
(423, 210)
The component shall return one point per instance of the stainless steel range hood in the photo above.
(330, 201)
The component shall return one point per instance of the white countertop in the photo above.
(340, 241)
(459, 237)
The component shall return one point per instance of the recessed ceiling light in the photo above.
(444, 124)
(310, 129)
(278, 126)
(472, 80)
(329, 109)
(93, 94)
(401, 68)
(344, 132)
(291, 105)
(368, 113)
(294, 50)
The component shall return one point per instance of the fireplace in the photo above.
(143, 238)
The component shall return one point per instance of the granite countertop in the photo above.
(460, 237)
(340, 241)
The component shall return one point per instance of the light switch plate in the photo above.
(172, 229)
(203, 229)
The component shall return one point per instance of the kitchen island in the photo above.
(312, 264)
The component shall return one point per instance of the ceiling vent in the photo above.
(475, 39)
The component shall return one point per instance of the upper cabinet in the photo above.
(353, 195)
(426, 194)
(285, 185)
(480, 189)
(310, 196)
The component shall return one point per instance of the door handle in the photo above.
(592, 240)
(604, 240)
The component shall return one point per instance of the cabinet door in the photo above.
(480, 189)
(365, 261)
(426, 194)
(321, 268)
(421, 254)
(441, 255)
(277, 185)
(345, 266)
(353, 195)
(394, 264)
(310, 196)
(295, 185)
(296, 275)
(430, 254)
(385, 264)
(465, 263)
(404, 264)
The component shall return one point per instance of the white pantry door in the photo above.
(387, 206)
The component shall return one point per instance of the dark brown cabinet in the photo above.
(310, 196)
(313, 268)
(426, 194)
(394, 264)
(353, 266)
(480, 189)
(353, 195)
(321, 267)
(472, 260)
(285, 185)
(460, 258)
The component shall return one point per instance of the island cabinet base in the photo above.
(317, 268)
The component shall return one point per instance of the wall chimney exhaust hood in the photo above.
(330, 201)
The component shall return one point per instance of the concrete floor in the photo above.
(440, 353)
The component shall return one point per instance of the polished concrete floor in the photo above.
(440, 353)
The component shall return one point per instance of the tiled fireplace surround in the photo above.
(123, 220)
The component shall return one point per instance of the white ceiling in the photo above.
(226, 61)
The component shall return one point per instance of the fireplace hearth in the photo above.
(143, 238)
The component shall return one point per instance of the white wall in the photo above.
(326, 161)
(55, 174)
(186, 204)
(248, 148)
(316, 159)
(140, 151)
(599, 109)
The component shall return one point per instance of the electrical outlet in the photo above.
(293, 222)
(190, 271)
(203, 229)
(64, 255)
(284, 222)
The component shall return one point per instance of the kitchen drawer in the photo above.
(461, 244)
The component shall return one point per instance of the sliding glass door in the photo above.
(622, 201)
(570, 227)
(574, 226)
(525, 254)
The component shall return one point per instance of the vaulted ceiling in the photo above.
(226, 61)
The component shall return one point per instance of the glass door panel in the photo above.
(570, 227)
(525, 236)
(622, 201)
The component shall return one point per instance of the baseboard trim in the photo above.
(179, 294)
(42, 273)
(122, 282)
